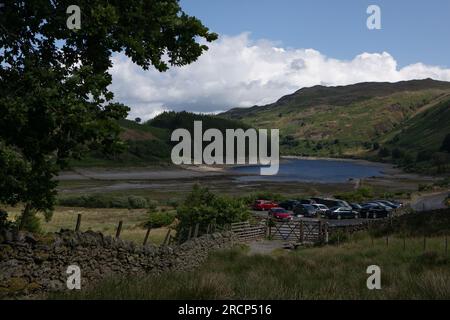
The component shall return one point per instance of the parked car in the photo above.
(289, 204)
(389, 204)
(306, 210)
(342, 213)
(280, 214)
(321, 208)
(264, 205)
(375, 211)
(331, 203)
(377, 203)
(306, 201)
(356, 207)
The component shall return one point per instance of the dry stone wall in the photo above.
(30, 265)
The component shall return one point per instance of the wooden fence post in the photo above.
(446, 245)
(166, 239)
(77, 227)
(208, 229)
(302, 235)
(147, 234)
(119, 229)
(190, 233)
(196, 230)
(326, 233)
(320, 231)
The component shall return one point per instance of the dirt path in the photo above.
(265, 246)
(430, 201)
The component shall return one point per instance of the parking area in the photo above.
(331, 222)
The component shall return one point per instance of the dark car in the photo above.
(356, 207)
(390, 204)
(280, 214)
(289, 204)
(375, 211)
(342, 213)
(306, 210)
(307, 201)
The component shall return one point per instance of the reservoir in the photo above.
(313, 170)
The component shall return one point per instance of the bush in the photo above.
(135, 202)
(4, 223)
(100, 201)
(203, 207)
(356, 196)
(160, 219)
(384, 152)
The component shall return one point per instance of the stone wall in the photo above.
(30, 265)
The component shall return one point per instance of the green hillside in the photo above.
(404, 119)
(149, 143)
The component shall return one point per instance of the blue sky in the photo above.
(271, 48)
(412, 31)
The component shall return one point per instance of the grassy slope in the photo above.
(425, 131)
(101, 220)
(355, 115)
(328, 272)
(314, 273)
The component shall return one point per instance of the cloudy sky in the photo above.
(268, 49)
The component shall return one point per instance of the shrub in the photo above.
(135, 202)
(384, 152)
(4, 223)
(203, 207)
(100, 201)
(160, 219)
(356, 196)
(119, 202)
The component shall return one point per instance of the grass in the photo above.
(309, 273)
(102, 220)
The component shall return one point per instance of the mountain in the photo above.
(149, 143)
(408, 117)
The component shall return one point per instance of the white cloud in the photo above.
(239, 72)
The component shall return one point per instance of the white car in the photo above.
(321, 208)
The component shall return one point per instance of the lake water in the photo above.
(321, 171)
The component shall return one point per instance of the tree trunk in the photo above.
(26, 214)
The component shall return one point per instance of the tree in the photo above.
(137, 120)
(54, 97)
(203, 207)
(446, 144)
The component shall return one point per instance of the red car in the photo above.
(264, 205)
(280, 214)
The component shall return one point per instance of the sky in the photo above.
(270, 48)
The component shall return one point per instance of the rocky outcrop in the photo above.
(30, 265)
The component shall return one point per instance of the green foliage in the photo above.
(175, 120)
(446, 144)
(54, 97)
(4, 222)
(431, 223)
(203, 207)
(104, 201)
(359, 195)
(160, 219)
